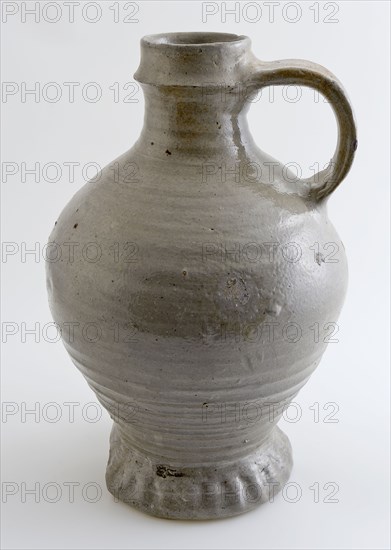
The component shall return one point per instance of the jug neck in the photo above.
(195, 93)
(192, 121)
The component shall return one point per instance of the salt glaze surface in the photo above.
(196, 278)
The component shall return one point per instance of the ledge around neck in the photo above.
(193, 59)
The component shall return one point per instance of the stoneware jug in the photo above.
(193, 282)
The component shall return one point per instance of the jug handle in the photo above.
(312, 75)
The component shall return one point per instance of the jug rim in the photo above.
(194, 39)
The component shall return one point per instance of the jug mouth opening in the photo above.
(178, 39)
(193, 58)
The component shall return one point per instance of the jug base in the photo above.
(208, 491)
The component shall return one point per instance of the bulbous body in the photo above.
(196, 299)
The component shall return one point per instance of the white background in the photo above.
(351, 39)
